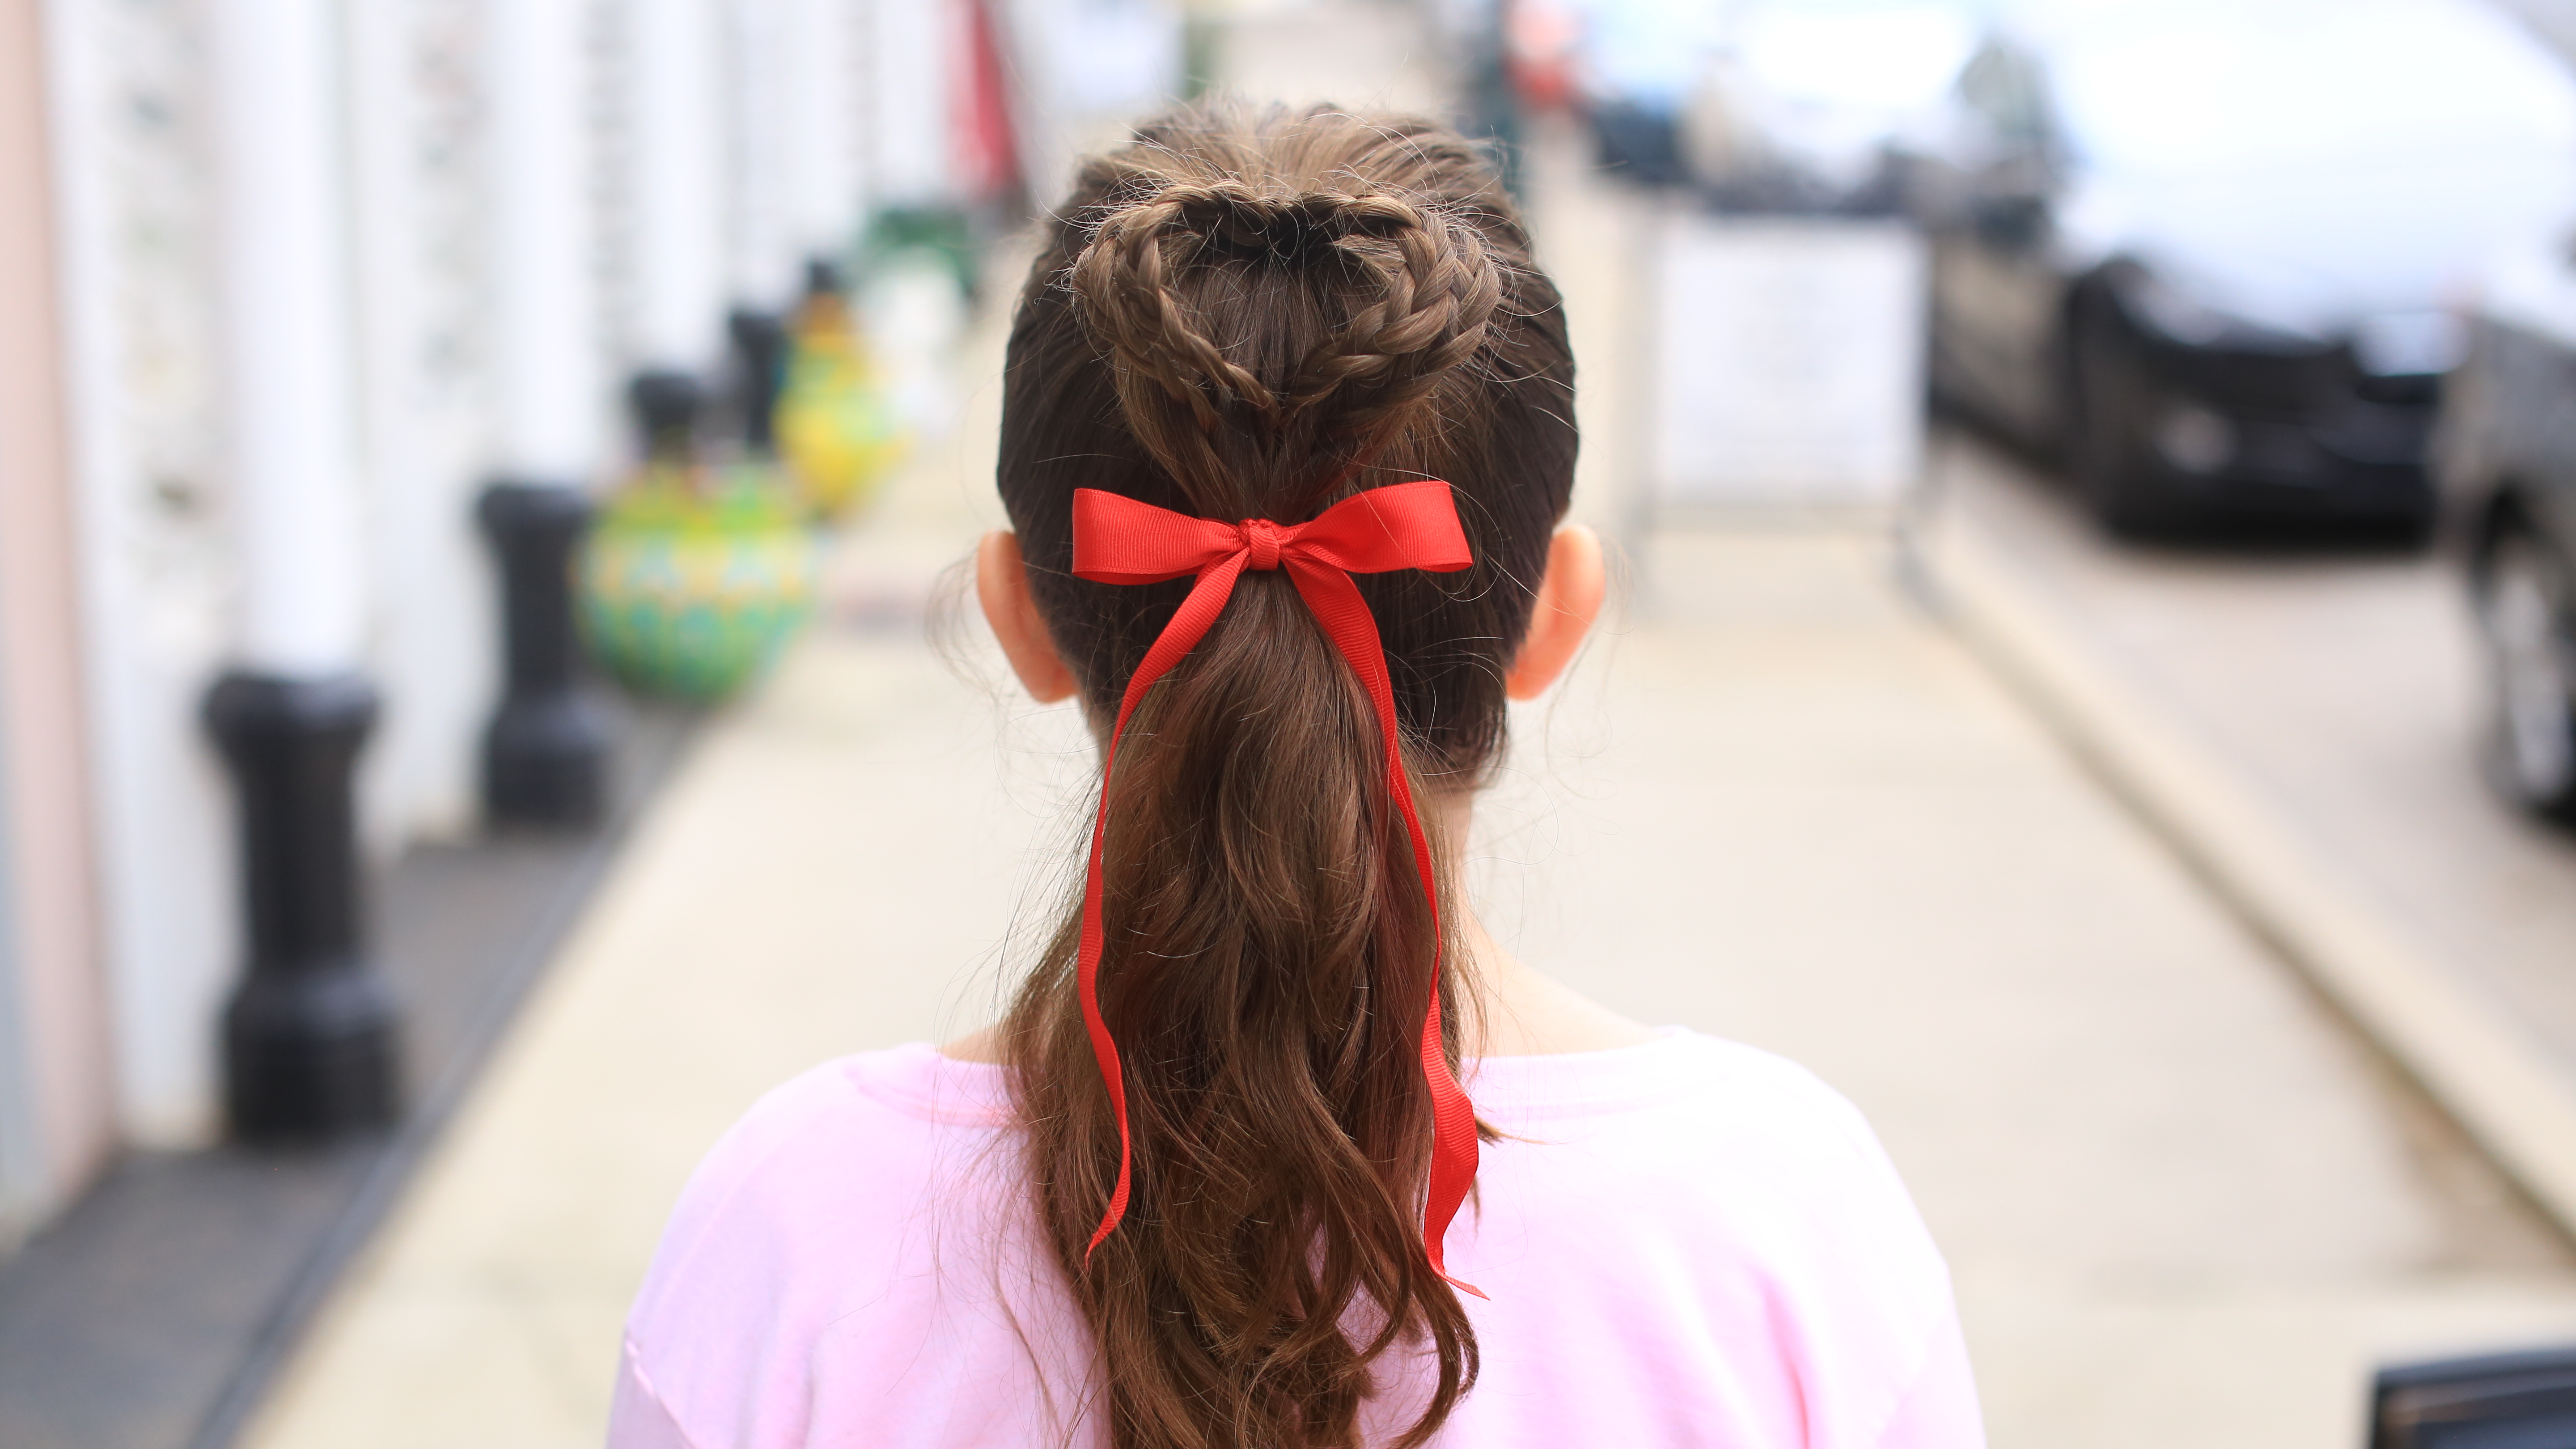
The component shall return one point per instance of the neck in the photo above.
(1512, 1009)
(1520, 1011)
(1515, 1010)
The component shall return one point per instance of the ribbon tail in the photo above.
(1104, 1049)
(1189, 624)
(1336, 603)
(1454, 1148)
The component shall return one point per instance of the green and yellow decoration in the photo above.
(838, 429)
(694, 577)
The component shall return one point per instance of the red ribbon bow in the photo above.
(1117, 540)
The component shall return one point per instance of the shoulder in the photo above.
(855, 1144)
(825, 1206)
(843, 1208)
(1774, 1149)
(1827, 1236)
(1735, 1216)
(1755, 1100)
(1686, 1104)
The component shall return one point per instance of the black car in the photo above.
(2506, 458)
(2200, 250)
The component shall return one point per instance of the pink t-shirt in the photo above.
(1686, 1242)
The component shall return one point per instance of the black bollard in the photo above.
(668, 406)
(309, 1036)
(545, 754)
(760, 352)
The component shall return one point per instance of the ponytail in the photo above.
(1252, 320)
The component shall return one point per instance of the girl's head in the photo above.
(1239, 317)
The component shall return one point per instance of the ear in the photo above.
(1002, 587)
(1569, 600)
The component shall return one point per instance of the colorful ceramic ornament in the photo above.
(838, 430)
(694, 577)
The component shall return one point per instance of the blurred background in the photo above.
(2094, 675)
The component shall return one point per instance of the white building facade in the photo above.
(283, 285)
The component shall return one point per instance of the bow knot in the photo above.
(1117, 540)
(1262, 538)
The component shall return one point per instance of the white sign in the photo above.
(1789, 361)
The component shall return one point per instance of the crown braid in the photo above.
(1423, 283)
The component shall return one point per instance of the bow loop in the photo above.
(1404, 526)
(1118, 540)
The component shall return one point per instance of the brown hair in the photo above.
(1252, 317)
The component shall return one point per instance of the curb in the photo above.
(2517, 1106)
